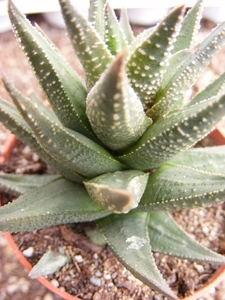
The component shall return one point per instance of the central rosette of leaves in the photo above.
(104, 135)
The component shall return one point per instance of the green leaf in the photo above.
(49, 263)
(207, 159)
(14, 122)
(43, 108)
(17, 184)
(175, 187)
(63, 87)
(127, 236)
(174, 133)
(168, 238)
(114, 35)
(146, 65)
(69, 148)
(119, 191)
(182, 74)
(114, 110)
(189, 27)
(125, 25)
(96, 16)
(217, 87)
(56, 203)
(87, 43)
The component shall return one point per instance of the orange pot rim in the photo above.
(28, 267)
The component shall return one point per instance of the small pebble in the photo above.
(199, 268)
(28, 252)
(55, 282)
(96, 281)
(78, 258)
(107, 276)
(110, 284)
(95, 256)
(97, 296)
(48, 296)
(98, 273)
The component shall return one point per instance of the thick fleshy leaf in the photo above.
(67, 147)
(174, 133)
(119, 191)
(87, 43)
(56, 203)
(49, 263)
(63, 87)
(146, 65)
(114, 110)
(125, 25)
(207, 159)
(167, 237)
(175, 187)
(18, 184)
(96, 16)
(181, 75)
(114, 35)
(127, 235)
(217, 87)
(46, 110)
(189, 27)
(12, 120)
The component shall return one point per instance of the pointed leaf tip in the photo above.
(114, 110)
(127, 235)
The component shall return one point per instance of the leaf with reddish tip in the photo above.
(118, 192)
(114, 110)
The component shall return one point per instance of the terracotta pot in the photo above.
(217, 277)
(28, 267)
(218, 136)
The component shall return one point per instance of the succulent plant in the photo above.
(120, 139)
